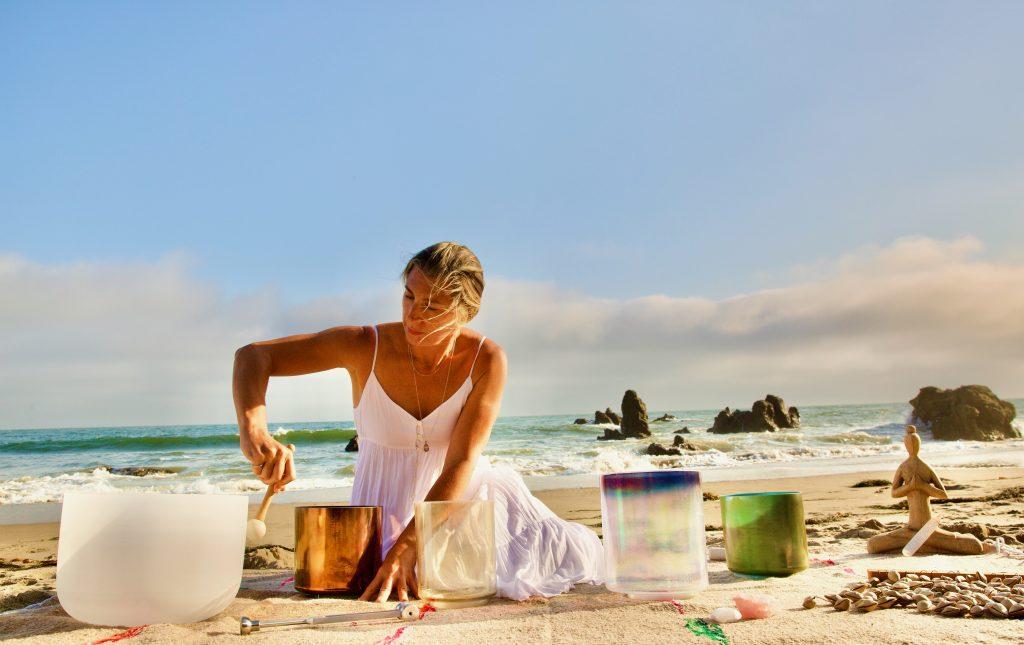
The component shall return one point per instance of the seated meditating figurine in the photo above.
(915, 480)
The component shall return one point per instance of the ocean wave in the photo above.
(142, 443)
(51, 488)
(856, 437)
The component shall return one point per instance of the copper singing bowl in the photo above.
(337, 548)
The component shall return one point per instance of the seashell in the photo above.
(960, 579)
(893, 576)
(842, 604)
(809, 602)
(977, 611)
(1006, 602)
(924, 606)
(982, 576)
(952, 610)
(724, 615)
(889, 602)
(996, 610)
(1016, 609)
(1014, 580)
(912, 576)
(918, 597)
(866, 605)
(831, 597)
(925, 577)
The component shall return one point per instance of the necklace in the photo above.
(419, 408)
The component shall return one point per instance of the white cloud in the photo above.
(89, 344)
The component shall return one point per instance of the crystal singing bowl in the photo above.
(457, 560)
(143, 558)
(764, 533)
(653, 528)
(337, 548)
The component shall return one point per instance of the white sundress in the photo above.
(538, 552)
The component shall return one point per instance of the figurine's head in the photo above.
(912, 441)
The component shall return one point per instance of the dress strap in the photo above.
(475, 357)
(376, 341)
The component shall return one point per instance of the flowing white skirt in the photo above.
(539, 553)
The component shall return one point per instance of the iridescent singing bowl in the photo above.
(653, 528)
(764, 533)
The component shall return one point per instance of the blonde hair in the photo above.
(453, 270)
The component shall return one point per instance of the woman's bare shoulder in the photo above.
(491, 360)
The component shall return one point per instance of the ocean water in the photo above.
(41, 465)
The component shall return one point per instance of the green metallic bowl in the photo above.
(764, 533)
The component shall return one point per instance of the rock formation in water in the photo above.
(658, 450)
(634, 416)
(766, 415)
(971, 412)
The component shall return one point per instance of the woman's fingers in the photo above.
(414, 585)
(280, 464)
(289, 474)
(385, 589)
(373, 586)
(268, 468)
(403, 594)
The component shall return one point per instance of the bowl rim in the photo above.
(149, 494)
(767, 493)
(666, 473)
(338, 505)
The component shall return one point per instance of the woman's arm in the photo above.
(469, 437)
(256, 362)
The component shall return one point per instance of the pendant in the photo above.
(426, 446)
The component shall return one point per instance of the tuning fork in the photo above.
(402, 611)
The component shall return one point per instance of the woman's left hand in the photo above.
(396, 574)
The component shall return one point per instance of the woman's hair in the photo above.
(454, 270)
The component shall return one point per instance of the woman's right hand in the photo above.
(272, 461)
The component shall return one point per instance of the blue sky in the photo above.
(614, 150)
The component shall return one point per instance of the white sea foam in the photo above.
(33, 490)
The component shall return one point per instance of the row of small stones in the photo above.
(945, 595)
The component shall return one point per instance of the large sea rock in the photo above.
(634, 416)
(969, 412)
(767, 415)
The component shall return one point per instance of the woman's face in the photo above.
(422, 313)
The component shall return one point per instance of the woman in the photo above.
(425, 392)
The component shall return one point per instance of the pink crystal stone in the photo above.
(753, 606)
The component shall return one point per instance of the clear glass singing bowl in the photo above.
(653, 532)
(456, 556)
(126, 559)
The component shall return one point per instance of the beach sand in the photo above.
(834, 508)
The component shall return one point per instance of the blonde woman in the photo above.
(426, 392)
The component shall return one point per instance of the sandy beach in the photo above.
(837, 513)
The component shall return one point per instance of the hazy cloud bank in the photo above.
(115, 343)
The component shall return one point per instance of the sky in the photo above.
(703, 202)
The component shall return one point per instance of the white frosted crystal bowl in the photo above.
(130, 559)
